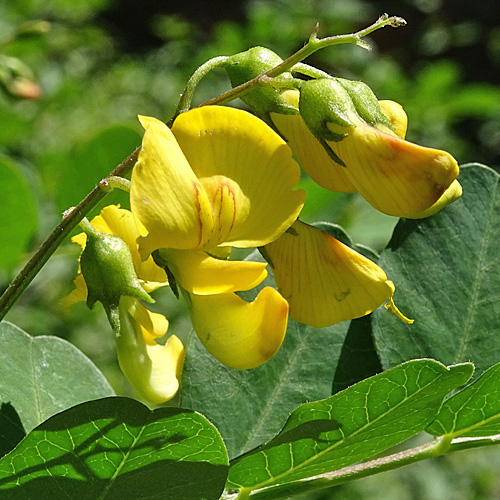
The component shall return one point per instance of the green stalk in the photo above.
(71, 219)
(436, 448)
(309, 48)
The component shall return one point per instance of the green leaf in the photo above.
(40, 376)
(474, 411)
(358, 359)
(446, 269)
(19, 214)
(116, 448)
(93, 161)
(250, 406)
(351, 426)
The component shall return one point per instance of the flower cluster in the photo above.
(222, 178)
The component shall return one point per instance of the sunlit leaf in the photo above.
(446, 269)
(250, 406)
(116, 448)
(41, 376)
(474, 411)
(351, 426)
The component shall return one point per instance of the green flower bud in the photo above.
(325, 101)
(338, 101)
(263, 98)
(108, 269)
(365, 102)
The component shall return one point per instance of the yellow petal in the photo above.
(78, 294)
(323, 280)
(397, 116)
(308, 151)
(124, 224)
(397, 177)
(153, 325)
(240, 334)
(449, 196)
(247, 171)
(202, 274)
(166, 196)
(153, 370)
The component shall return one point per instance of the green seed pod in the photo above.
(263, 98)
(108, 269)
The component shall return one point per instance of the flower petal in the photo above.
(449, 196)
(240, 334)
(247, 171)
(202, 274)
(78, 294)
(153, 325)
(323, 280)
(166, 196)
(153, 370)
(124, 224)
(308, 151)
(397, 177)
(397, 116)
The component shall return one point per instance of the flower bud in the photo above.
(365, 102)
(263, 98)
(334, 100)
(108, 269)
(325, 101)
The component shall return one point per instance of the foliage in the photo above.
(300, 423)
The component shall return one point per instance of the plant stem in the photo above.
(436, 448)
(194, 80)
(71, 218)
(309, 48)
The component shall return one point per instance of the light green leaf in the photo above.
(19, 214)
(41, 376)
(351, 426)
(446, 269)
(116, 448)
(474, 411)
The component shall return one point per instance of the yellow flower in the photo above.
(397, 177)
(152, 369)
(311, 156)
(325, 281)
(220, 178)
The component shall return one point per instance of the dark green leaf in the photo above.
(358, 359)
(351, 426)
(250, 406)
(474, 411)
(446, 269)
(116, 448)
(19, 214)
(41, 376)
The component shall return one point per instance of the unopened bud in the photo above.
(108, 269)
(263, 98)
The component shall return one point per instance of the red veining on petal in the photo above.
(198, 209)
(221, 194)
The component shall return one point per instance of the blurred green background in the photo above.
(74, 74)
